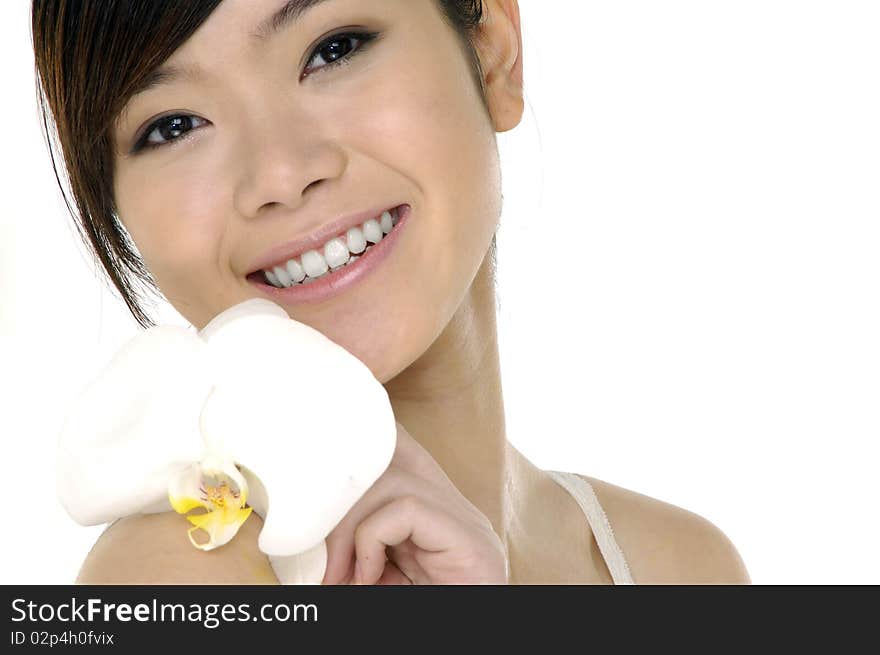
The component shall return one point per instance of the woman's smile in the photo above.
(342, 262)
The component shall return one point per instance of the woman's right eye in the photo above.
(169, 128)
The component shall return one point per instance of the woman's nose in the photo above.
(281, 155)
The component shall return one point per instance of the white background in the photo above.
(705, 176)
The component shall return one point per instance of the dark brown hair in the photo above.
(89, 56)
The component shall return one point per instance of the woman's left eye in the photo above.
(337, 49)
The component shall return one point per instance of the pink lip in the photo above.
(280, 255)
(335, 282)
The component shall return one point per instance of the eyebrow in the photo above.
(289, 13)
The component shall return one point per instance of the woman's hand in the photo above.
(412, 526)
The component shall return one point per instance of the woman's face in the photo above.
(273, 143)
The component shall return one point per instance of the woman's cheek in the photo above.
(175, 227)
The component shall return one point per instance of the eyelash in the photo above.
(364, 37)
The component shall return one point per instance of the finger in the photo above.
(394, 483)
(403, 555)
(406, 517)
(392, 575)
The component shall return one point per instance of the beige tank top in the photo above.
(582, 492)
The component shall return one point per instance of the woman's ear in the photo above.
(499, 43)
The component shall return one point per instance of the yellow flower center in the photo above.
(221, 496)
(222, 493)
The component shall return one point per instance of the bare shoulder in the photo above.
(155, 549)
(666, 544)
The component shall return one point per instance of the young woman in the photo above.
(232, 140)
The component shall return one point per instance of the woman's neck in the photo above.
(450, 401)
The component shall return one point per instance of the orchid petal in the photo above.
(133, 427)
(313, 467)
(185, 492)
(305, 568)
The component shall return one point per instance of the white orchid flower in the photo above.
(256, 412)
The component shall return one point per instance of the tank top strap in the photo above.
(582, 492)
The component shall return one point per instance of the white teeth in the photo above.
(372, 231)
(335, 254)
(385, 222)
(295, 270)
(272, 279)
(283, 276)
(314, 264)
(355, 240)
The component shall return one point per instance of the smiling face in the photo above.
(270, 142)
